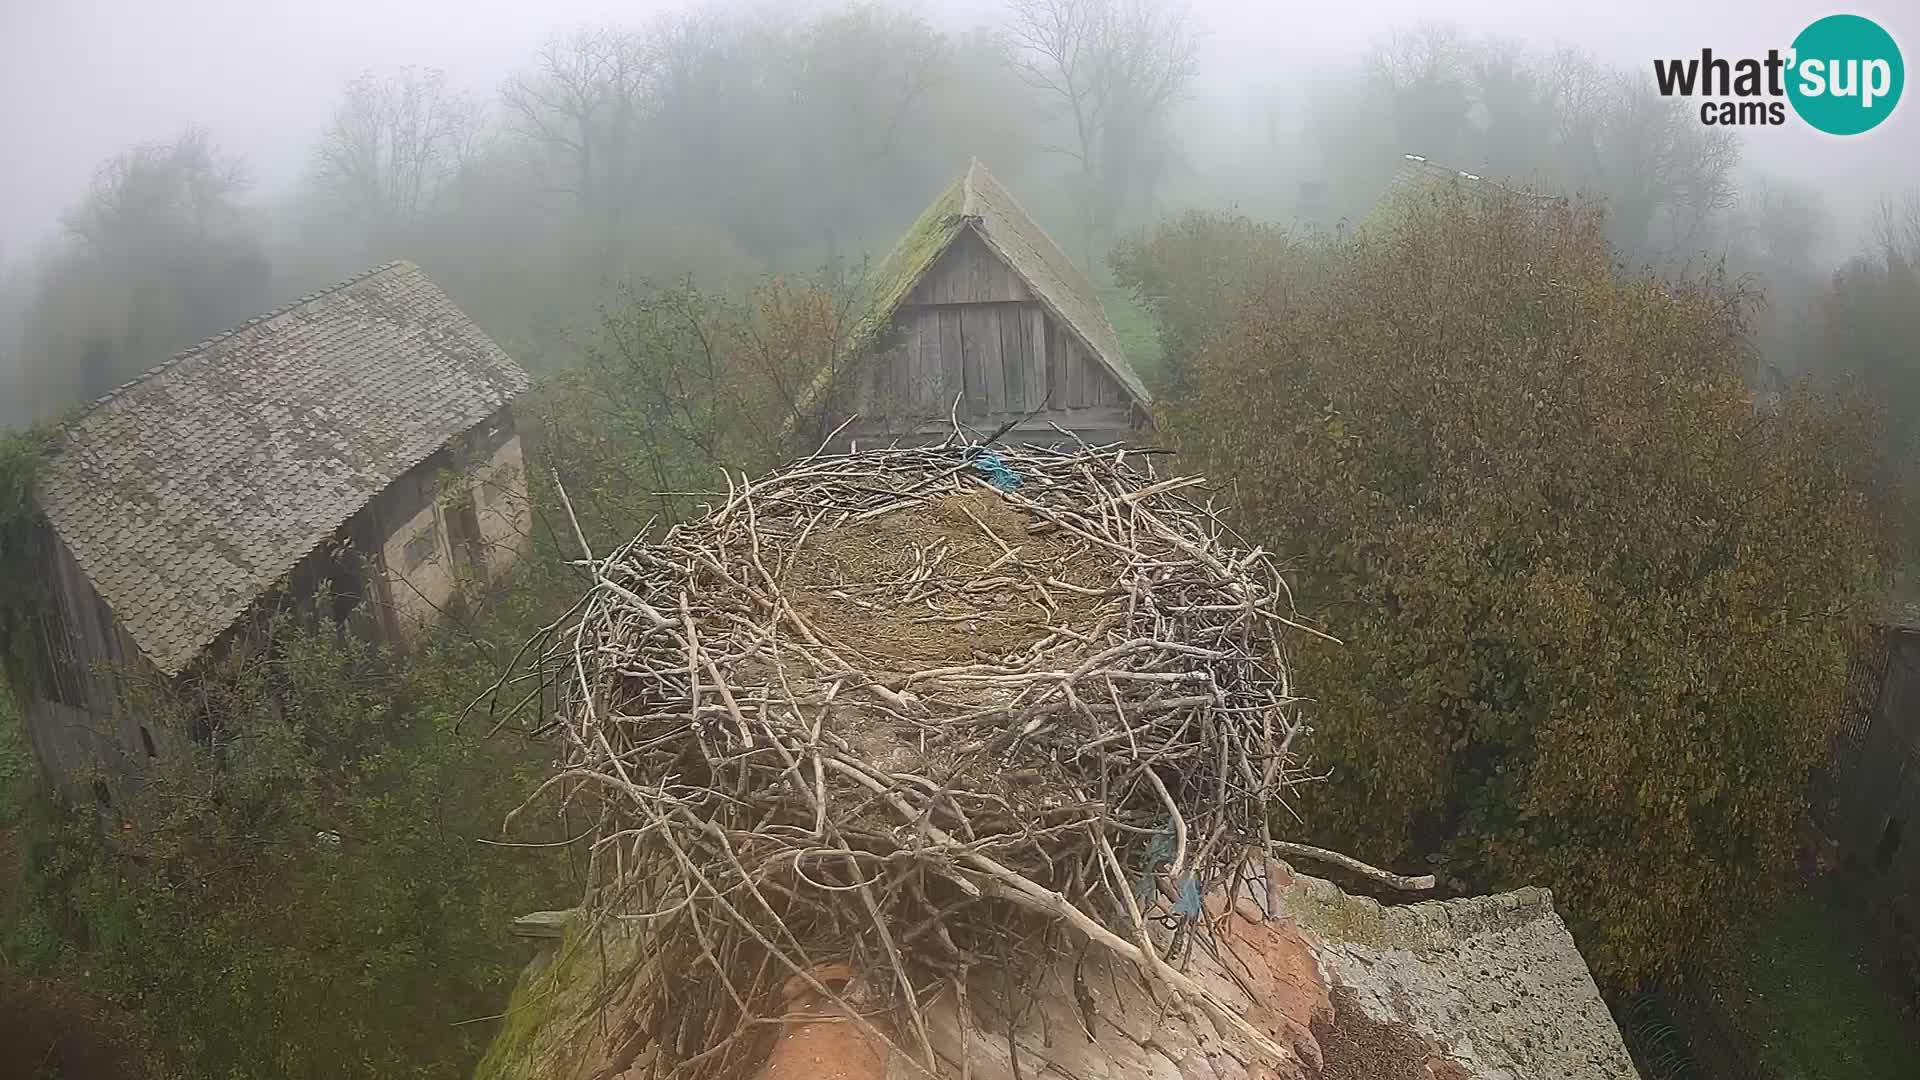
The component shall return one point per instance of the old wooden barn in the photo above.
(360, 441)
(978, 314)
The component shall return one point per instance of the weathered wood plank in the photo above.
(992, 360)
(1076, 372)
(955, 363)
(866, 394)
(1101, 387)
(1056, 367)
(1015, 356)
(926, 374)
(969, 273)
(973, 354)
(971, 281)
(1036, 357)
(903, 368)
(929, 358)
(1105, 419)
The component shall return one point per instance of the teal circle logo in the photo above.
(1846, 75)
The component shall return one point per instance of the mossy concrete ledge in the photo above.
(550, 1030)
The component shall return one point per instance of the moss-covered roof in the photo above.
(932, 233)
(979, 202)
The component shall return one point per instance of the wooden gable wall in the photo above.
(75, 717)
(972, 328)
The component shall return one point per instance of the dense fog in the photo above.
(173, 169)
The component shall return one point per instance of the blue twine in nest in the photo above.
(1160, 853)
(996, 470)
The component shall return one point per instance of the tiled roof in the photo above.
(187, 492)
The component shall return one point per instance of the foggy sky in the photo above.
(83, 79)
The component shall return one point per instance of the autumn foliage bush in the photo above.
(1597, 604)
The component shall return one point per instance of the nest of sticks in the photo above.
(873, 713)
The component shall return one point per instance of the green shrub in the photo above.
(302, 891)
(1598, 610)
(1196, 271)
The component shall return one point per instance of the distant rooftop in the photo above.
(1415, 171)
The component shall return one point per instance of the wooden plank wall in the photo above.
(972, 328)
(77, 721)
(969, 273)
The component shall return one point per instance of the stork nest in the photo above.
(874, 714)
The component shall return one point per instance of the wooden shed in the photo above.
(978, 315)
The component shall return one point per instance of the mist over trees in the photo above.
(726, 142)
(387, 161)
(1516, 451)
(161, 252)
(1116, 68)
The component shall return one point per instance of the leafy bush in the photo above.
(299, 889)
(1195, 272)
(1598, 609)
(677, 382)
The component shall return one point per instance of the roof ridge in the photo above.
(1461, 174)
(1117, 364)
(970, 187)
(191, 351)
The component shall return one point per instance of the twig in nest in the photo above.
(1420, 883)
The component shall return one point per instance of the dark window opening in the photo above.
(146, 742)
(463, 536)
(1888, 847)
(347, 583)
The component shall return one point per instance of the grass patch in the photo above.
(1137, 329)
(1805, 990)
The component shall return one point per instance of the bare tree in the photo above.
(863, 78)
(1657, 165)
(1116, 67)
(583, 104)
(160, 254)
(1893, 230)
(394, 146)
(1422, 75)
